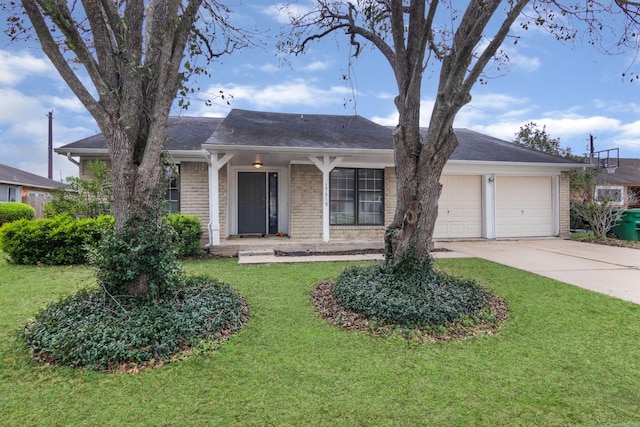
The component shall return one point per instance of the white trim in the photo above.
(215, 164)
(489, 206)
(555, 205)
(325, 166)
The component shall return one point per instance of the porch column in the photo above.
(326, 165)
(215, 164)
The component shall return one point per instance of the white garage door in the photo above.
(459, 207)
(524, 206)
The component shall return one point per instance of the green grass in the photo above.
(565, 356)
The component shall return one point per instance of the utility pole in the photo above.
(50, 116)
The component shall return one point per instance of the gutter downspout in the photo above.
(72, 160)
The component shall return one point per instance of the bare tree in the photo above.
(414, 35)
(602, 213)
(132, 53)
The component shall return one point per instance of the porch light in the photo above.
(257, 164)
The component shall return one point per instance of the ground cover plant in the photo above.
(95, 330)
(565, 356)
(411, 297)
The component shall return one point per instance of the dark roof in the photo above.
(185, 133)
(12, 176)
(627, 173)
(254, 128)
(480, 147)
(265, 129)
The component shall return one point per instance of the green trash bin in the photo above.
(628, 227)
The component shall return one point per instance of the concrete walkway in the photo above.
(605, 269)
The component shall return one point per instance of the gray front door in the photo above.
(252, 203)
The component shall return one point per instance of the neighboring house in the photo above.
(327, 178)
(622, 186)
(19, 186)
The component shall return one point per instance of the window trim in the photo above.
(610, 188)
(173, 173)
(356, 200)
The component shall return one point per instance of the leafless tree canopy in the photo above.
(460, 42)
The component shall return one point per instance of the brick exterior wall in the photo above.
(306, 202)
(565, 205)
(194, 192)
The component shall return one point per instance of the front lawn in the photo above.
(565, 356)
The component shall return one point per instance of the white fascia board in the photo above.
(348, 163)
(81, 151)
(511, 168)
(24, 184)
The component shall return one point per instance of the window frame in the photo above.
(356, 201)
(173, 176)
(615, 189)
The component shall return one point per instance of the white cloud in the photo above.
(283, 12)
(71, 104)
(296, 92)
(317, 66)
(16, 66)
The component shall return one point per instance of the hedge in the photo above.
(13, 211)
(62, 240)
(53, 241)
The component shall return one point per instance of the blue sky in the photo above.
(572, 89)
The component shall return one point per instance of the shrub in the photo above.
(94, 330)
(13, 211)
(63, 240)
(188, 234)
(139, 258)
(409, 293)
(53, 241)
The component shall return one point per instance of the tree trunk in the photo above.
(418, 170)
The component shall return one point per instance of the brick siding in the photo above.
(306, 202)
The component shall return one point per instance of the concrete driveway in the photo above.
(609, 270)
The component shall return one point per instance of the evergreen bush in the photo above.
(13, 211)
(188, 233)
(138, 259)
(53, 241)
(63, 240)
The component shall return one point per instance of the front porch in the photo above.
(235, 244)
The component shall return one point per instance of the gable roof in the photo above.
(184, 134)
(262, 129)
(627, 173)
(12, 176)
(267, 130)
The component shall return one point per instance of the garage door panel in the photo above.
(524, 206)
(459, 207)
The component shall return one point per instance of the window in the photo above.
(613, 194)
(8, 193)
(356, 197)
(173, 189)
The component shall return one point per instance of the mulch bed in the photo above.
(331, 310)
